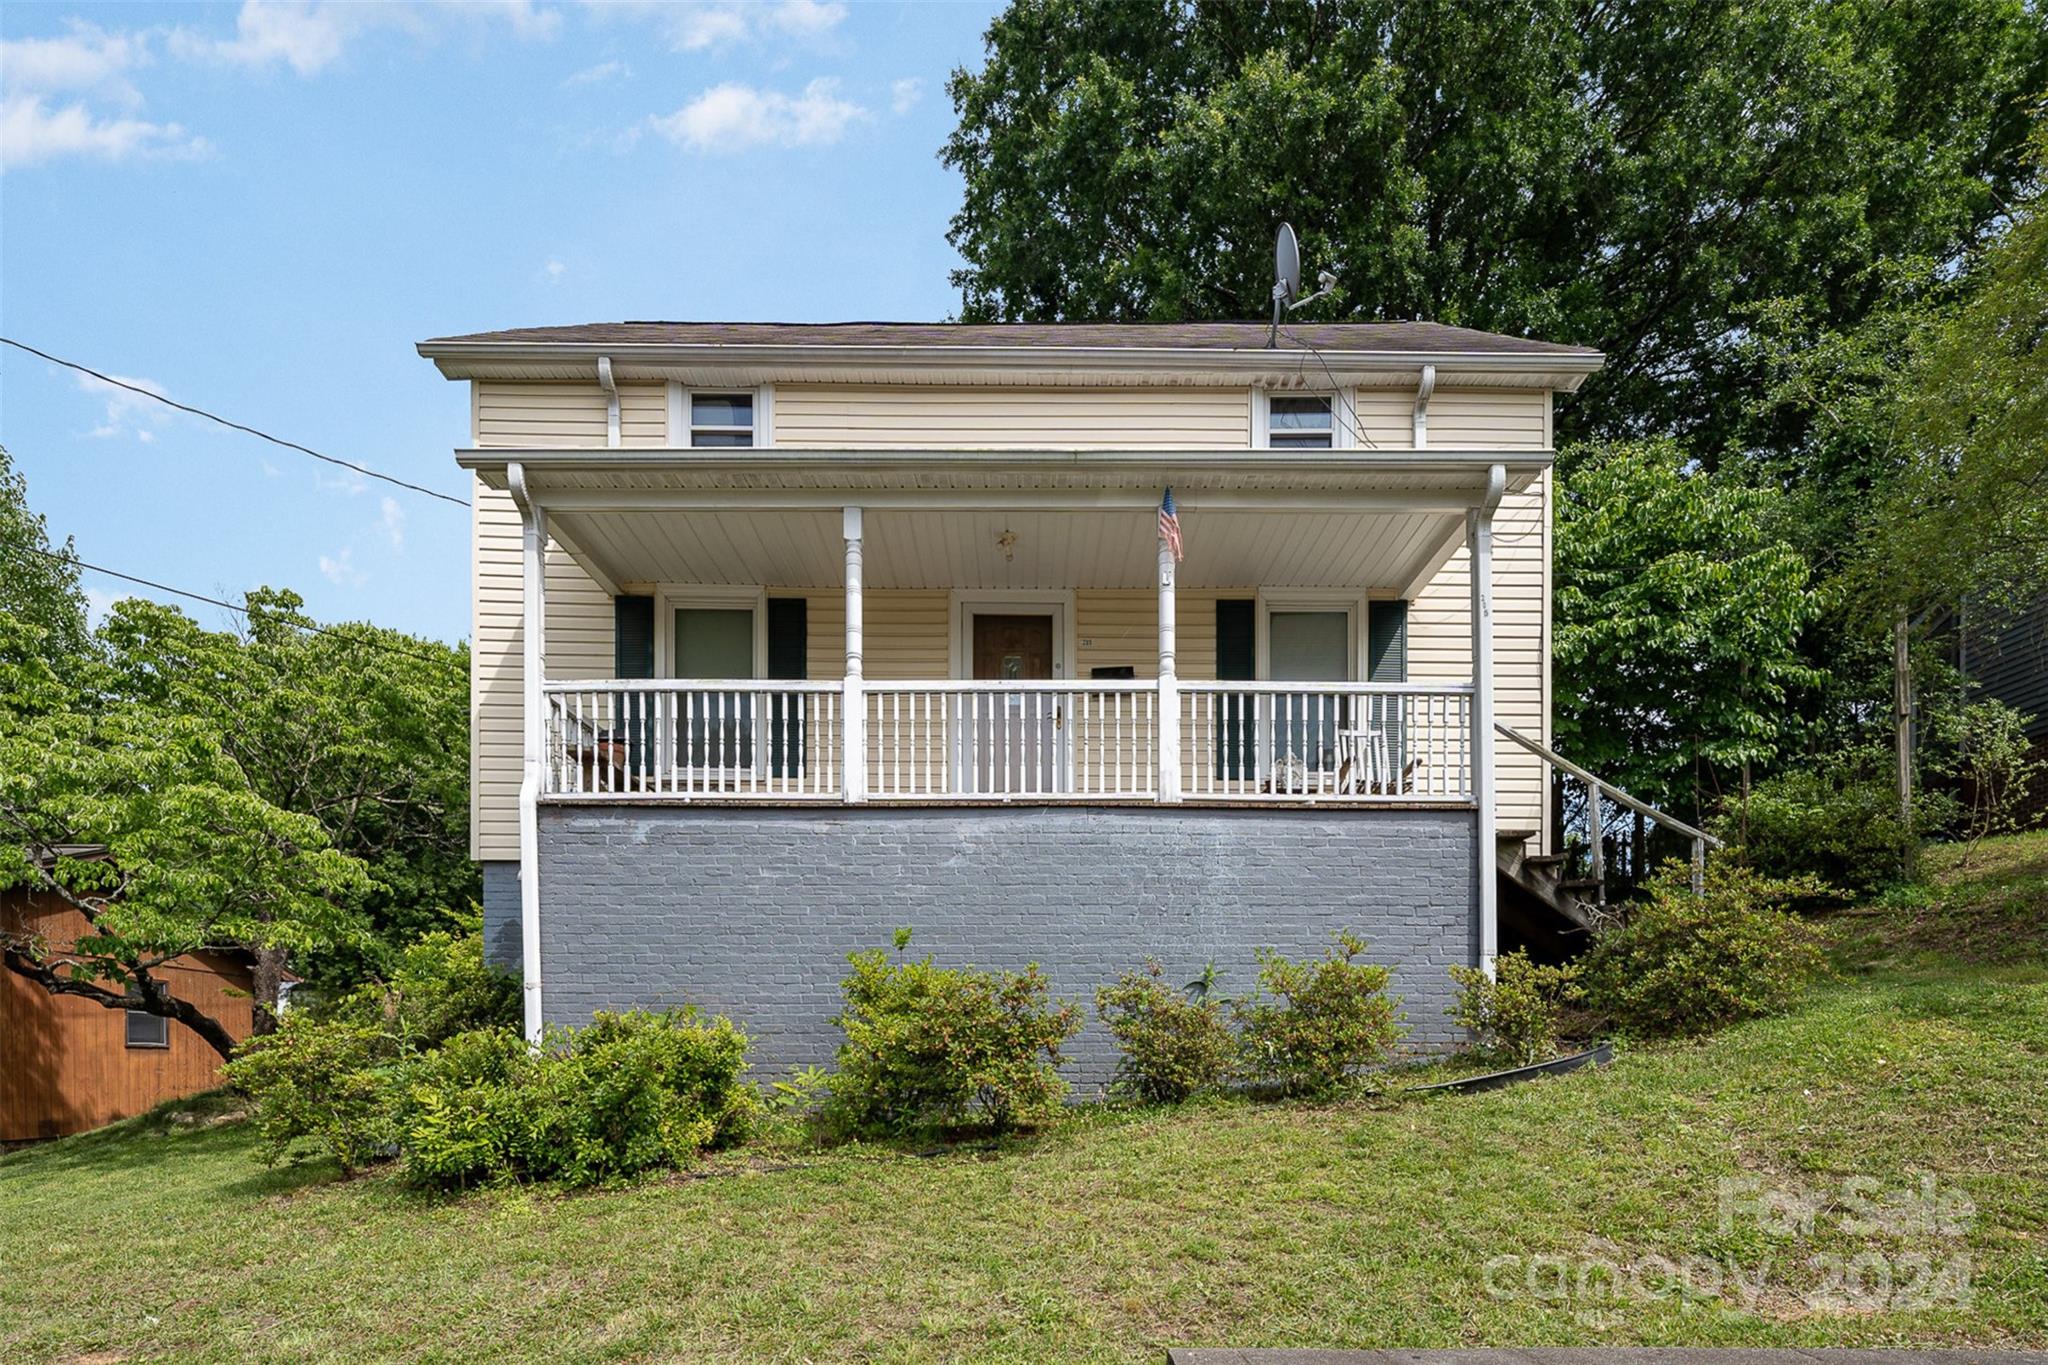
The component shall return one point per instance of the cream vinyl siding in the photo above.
(907, 631)
(579, 634)
(1440, 644)
(1480, 419)
(1383, 419)
(1115, 627)
(846, 417)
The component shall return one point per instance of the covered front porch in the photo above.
(1020, 675)
(1033, 638)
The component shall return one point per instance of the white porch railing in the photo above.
(780, 741)
(694, 739)
(1295, 741)
(1005, 740)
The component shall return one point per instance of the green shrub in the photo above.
(931, 1049)
(1515, 1011)
(1682, 964)
(331, 1072)
(1312, 1025)
(1171, 1046)
(442, 986)
(1838, 821)
(461, 1114)
(627, 1094)
(323, 1078)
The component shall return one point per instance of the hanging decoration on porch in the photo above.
(1007, 543)
(1169, 526)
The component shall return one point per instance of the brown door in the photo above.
(1013, 737)
(1010, 648)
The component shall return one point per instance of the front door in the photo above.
(1306, 646)
(1013, 736)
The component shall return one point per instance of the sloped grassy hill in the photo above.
(1552, 1213)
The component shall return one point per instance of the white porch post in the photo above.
(1479, 544)
(853, 762)
(1169, 683)
(533, 540)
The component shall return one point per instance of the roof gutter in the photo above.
(592, 459)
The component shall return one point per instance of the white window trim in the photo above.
(679, 428)
(1352, 604)
(669, 596)
(966, 603)
(1343, 415)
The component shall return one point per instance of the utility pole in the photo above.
(1902, 715)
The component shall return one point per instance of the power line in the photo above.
(235, 426)
(371, 641)
(1336, 390)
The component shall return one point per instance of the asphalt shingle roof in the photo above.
(1420, 337)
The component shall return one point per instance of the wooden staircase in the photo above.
(1560, 909)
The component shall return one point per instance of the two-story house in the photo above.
(788, 635)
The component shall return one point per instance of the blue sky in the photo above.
(259, 209)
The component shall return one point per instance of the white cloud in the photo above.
(87, 58)
(341, 569)
(90, 61)
(31, 132)
(696, 27)
(391, 520)
(904, 94)
(804, 18)
(304, 36)
(127, 413)
(733, 117)
(599, 74)
(553, 271)
(700, 26)
(351, 484)
(311, 35)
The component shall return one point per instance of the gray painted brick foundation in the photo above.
(501, 913)
(751, 913)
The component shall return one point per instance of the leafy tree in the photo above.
(1678, 614)
(1967, 520)
(363, 729)
(38, 593)
(195, 860)
(1632, 177)
(285, 789)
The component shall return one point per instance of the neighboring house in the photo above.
(2009, 663)
(789, 635)
(68, 1064)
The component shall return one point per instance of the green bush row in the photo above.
(431, 1071)
(1309, 1028)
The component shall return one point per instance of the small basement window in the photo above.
(1297, 422)
(148, 1030)
(721, 419)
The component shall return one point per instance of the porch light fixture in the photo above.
(1007, 543)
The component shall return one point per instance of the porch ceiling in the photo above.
(1072, 519)
(1046, 550)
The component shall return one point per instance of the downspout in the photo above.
(1479, 535)
(1423, 389)
(533, 608)
(611, 402)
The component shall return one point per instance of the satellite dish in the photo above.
(1286, 265)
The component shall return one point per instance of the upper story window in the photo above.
(1300, 422)
(721, 419)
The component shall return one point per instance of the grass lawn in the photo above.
(1547, 1214)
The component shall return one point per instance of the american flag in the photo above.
(1169, 525)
